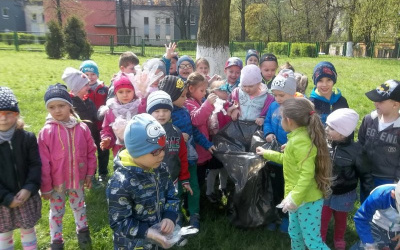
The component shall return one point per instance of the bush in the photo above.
(24, 38)
(8, 38)
(54, 41)
(187, 45)
(302, 50)
(77, 45)
(244, 46)
(41, 39)
(278, 48)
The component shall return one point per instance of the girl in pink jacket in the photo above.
(68, 155)
(200, 113)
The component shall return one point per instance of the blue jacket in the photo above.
(272, 123)
(380, 209)
(138, 199)
(181, 119)
(324, 106)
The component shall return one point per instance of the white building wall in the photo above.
(37, 26)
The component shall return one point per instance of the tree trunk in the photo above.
(59, 17)
(130, 19)
(243, 21)
(213, 34)
(121, 9)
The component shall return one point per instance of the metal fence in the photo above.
(114, 44)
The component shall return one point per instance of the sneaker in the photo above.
(182, 242)
(284, 225)
(194, 221)
(212, 198)
(103, 178)
(57, 245)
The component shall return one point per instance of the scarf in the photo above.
(7, 135)
(72, 122)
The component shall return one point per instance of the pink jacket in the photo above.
(200, 113)
(107, 132)
(68, 155)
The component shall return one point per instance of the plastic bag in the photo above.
(251, 203)
(118, 127)
(162, 240)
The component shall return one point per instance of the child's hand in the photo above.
(185, 136)
(170, 50)
(232, 108)
(159, 239)
(15, 203)
(270, 137)
(187, 187)
(23, 195)
(260, 121)
(260, 151)
(235, 114)
(88, 182)
(212, 149)
(167, 226)
(214, 78)
(212, 98)
(283, 147)
(46, 196)
(105, 143)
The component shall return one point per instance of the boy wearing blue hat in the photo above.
(252, 57)
(141, 194)
(325, 96)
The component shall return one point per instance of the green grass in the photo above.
(29, 74)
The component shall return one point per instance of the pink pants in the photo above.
(340, 225)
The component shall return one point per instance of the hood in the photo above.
(336, 94)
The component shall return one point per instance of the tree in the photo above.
(54, 41)
(213, 33)
(59, 9)
(77, 44)
(182, 9)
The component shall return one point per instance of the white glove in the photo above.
(288, 204)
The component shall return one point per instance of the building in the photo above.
(12, 16)
(34, 17)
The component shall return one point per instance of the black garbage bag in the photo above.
(251, 202)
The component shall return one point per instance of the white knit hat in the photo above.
(250, 75)
(74, 79)
(285, 81)
(344, 121)
(158, 100)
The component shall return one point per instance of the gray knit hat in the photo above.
(158, 100)
(8, 102)
(74, 79)
(285, 81)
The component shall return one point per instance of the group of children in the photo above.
(159, 123)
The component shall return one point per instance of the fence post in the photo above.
(398, 50)
(317, 48)
(344, 49)
(289, 48)
(143, 47)
(231, 48)
(16, 42)
(372, 49)
(112, 44)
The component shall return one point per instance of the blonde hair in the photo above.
(215, 85)
(302, 112)
(287, 65)
(195, 79)
(202, 60)
(301, 82)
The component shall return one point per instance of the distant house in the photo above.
(12, 16)
(34, 17)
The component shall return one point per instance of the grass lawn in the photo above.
(30, 73)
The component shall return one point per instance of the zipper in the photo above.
(15, 165)
(157, 177)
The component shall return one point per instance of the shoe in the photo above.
(103, 178)
(284, 225)
(194, 221)
(340, 245)
(57, 245)
(271, 227)
(212, 198)
(84, 240)
(182, 242)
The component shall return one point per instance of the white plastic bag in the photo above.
(162, 240)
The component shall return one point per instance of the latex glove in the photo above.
(370, 246)
(288, 204)
(187, 187)
(154, 236)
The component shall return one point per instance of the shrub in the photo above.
(302, 50)
(54, 41)
(278, 48)
(76, 43)
(41, 39)
(240, 46)
(24, 38)
(8, 38)
(187, 45)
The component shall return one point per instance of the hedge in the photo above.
(278, 48)
(23, 38)
(187, 45)
(302, 50)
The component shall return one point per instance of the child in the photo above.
(68, 155)
(251, 98)
(268, 67)
(140, 193)
(120, 110)
(325, 97)
(170, 58)
(159, 105)
(203, 67)
(307, 169)
(233, 66)
(185, 66)
(377, 221)
(20, 204)
(78, 83)
(127, 62)
(283, 88)
(177, 89)
(379, 132)
(347, 168)
(301, 80)
(252, 57)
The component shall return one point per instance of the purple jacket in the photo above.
(68, 155)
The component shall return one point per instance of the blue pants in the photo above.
(305, 226)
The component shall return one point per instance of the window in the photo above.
(146, 21)
(146, 37)
(192, 19)
(4, 12)
(34, 17)
(167, 21)
(157, 21)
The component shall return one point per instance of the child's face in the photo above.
(162, 115)
(185, 69)
(128, 69)
(221, 94)
(252, 60)
(172, 67)
(83, 91)
(92, 77)
(232, 74)
(251, 90)
(268, 69)
(125, 95)
(324, 87)
(203, 69)
(281, 96)
(387, 107)
(8, 119)
(198, 92)
(151, 160)
(59, 110)
(333, 134)
(181, 100)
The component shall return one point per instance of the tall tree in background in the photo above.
(213, 33)
(60, 9)
(181, 15)
(242, 11)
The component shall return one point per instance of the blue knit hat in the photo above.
(57, 92)
(89, 66)
(251, 52)
(186, 58)
(159, 100)
(143, 135)
(8, 102)
(324, 69)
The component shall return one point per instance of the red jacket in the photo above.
(99, 98)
